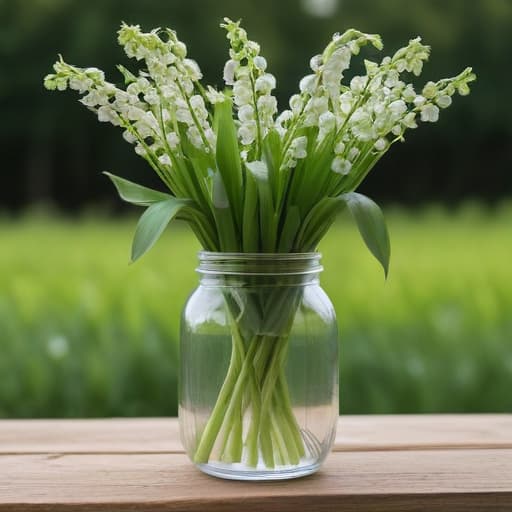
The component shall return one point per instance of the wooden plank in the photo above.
(355, 433)
(133, 435)
(424, 432)
(435, 480)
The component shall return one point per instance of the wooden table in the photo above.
(380, 463)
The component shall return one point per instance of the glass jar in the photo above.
(259, 367)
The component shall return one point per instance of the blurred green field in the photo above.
(82, 333)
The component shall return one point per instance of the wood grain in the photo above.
(381, 463)
(159, 435)
(170, 482)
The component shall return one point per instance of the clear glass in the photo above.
(259, 367)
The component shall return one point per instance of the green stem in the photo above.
(252, 436)
(256, 379)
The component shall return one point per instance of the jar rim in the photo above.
(261, 263)
(282, 256)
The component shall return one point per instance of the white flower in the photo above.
(80, 84)
(151, 97)
(183, 115)
(214, 96)
(419, 101)
(129, 137)
(283, 118)
(338, 62)
(353, 154)
(150, 120)
(298, 148)
(429, 113)
(210, 137)
(326, 123)
(173, 140)
(267, 105)
(430, 90)
(408, 94)
(194, 136)
(107, 114)
(265, 83)
(444, 101)
(358, 83)
(315, 63)
(362, 125)
(246, 113)
(95, 97)
(307, 84)
(392, 79)
(197, 104)
(380, 144)
(143, 129)
(242, 92)
(134, 113)
(247, 132)
(260, 63)
(397, 107)
(339, 148)
(341, 166)
(179, 49)
(165, 159)
(95, 73)
(139, 149)
(192, 68)
(346, 102)
(169, 91)
(229, 71)
(296, 104)
(409, 120)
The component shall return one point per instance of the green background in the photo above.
(82, 333)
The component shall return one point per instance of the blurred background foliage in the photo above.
(53, 147)
(84, 334)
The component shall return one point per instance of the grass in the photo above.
(85, 334)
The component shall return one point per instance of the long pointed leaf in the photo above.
(317, 222)
(290, 229)
(250, 220)
(259, 172)
(223, 216)
(228, 157)
(371, 224)
(136, 194)
(153, 222)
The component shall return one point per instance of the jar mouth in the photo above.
(264, 263)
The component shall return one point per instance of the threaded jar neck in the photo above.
(284, 268)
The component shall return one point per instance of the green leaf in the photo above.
(250, 221)
(312, 186)
(371, 224)
(317, 222)
(153, 222)
(228, 156)
(290, 228)
(136, 194)
(223, 215)
(259, 172)
(272, 147)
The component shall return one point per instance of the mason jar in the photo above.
(259, 367)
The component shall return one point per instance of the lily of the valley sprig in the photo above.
(244, 176)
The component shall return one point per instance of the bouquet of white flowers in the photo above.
(248, 179)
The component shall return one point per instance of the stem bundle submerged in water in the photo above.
(248, 179)
(255, 387)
